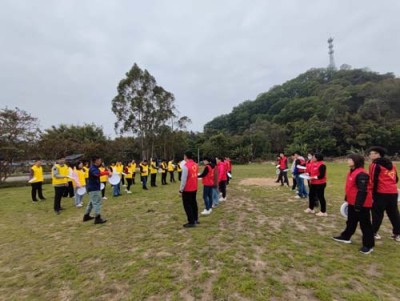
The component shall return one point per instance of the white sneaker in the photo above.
(377, 236)
(297, 197)
(128, 192)
(204, 211)
(79, 205)
(321, 214)
(308, 210)
(104, 198)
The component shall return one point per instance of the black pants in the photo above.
(179, 175)
(123, 179)
(294, 184)
(129, 181)
(144, 182)
(317, 193)
(190, 206)
(133, 178)
(103, 192)
(164, 178)
(283, 178)
(388, 203)
(37, 188)
(58, 194)
(153, 178)
(69, 190)
(364, 217)
(222, 188)
(171, 176)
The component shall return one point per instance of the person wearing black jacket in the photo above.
(359, 199)
(384, 180)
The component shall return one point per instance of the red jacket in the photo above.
(221, 171)
(191, 182)
(386, 183)
(352, 188)
(208, 180)
(283, 163)
(315, 171)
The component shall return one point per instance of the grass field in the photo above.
(258, 245)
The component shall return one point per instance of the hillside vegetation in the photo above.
(321, 109)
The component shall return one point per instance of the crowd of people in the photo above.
(76, 179)
(369, 194)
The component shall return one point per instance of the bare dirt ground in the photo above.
(259, 182)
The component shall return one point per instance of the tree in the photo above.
(142, 107)
(18, 133)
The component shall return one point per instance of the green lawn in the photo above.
(258, 245)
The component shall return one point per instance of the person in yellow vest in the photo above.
(86, 170)
(36, 179)
(116, 188)
(103, 180)
(69, 190)
(153, 172)
(164, 168)
(179, 170)
(128, 176)
(134, 171)
(144, 172)
(59, 175)
(78, 182)
(120, 169)
(171, 169)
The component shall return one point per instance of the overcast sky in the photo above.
(61, 61)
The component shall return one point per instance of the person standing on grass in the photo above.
(36, 179)
(79, 181)
(207, 177)
(59, 175)
(384, 178)
(299, 169)
(188, 190)
(216, 182)
(292, 170)
(93, 188)
(179, 170)
(164, 167)
(103, 180)
(128, 170)
(283, 169)
(153, 172)
(222, 177)
(171, 170)
(317, 184)
(359, 198)
(144, 173)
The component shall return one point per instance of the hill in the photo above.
(321, 109)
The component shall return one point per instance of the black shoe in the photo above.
(99, 220)
(57, 212)
(42, 199)
(341, 239)
(145, 188)
(87, 217)
(197, 222)
(188, 225)
(366, 250)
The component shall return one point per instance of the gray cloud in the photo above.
(62, 60)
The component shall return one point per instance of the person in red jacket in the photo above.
(283, 169)
(207, 177)
(188, 189)
(359, 198)
(222, 177)
(383, 177)
(317, 173)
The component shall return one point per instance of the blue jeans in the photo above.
(116, 190)
(215, 196)
(301, 187)
(78, 198)
(94, 203)
(208, 196)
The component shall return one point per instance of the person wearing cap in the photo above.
(384, 178)
(318, 178)
(36, 179)
(358, 195)
(93, 189)
(188, 190)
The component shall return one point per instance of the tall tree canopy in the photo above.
(142, 107)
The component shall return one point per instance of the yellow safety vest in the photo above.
(129, 174)
(170, 166)
(62, 171)
(37, 174)
(103, 178)
(145, 170)
(81, 177)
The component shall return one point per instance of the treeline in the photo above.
(322, 109)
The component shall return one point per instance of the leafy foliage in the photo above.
(322, 109)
